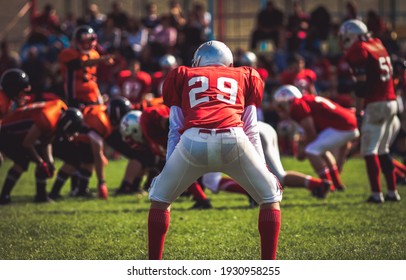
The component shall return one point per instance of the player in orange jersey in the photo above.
(79, 66)
(26, 135)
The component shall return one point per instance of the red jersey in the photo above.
(43, 114)
(151, 121)
(158, 79)
(371, 57)
(5, 104)
(134, 87)
(213, 96)
(303, 80)
(325, 113)
(80, 82)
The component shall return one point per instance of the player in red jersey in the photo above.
(150, 128)
(299, 76)
(213, 127)
(26, 135)
(79, 66)
(375, 104)
(327, 126)
(289, 178)
(134, 83)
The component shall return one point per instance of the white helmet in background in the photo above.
(168, 61)
(130, 127)
(248, 59)
(212, 53)
(351, 31)
(285, 94)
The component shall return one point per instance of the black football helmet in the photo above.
(13, 81)
(117, 108)
(70, 123)
(85, 38)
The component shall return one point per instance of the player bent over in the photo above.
(213, 127)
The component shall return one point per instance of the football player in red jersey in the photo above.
(26, 135)
(79, 66)
(213, 127)
(299, 76)
(166, 63)
(134, 83)
(375, 104)
(327, 126)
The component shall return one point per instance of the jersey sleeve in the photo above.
(169, 89)
(256, 89)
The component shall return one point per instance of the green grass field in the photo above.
(341, 227)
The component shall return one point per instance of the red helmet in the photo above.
(85, 38)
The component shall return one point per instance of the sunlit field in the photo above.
(341, 227)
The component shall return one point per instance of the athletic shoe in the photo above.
(103, 192)
(321, 191)
(341, 188)
(81, 193)
(123, 191)
(42, 199)
(55, 196)
(252, 202)
(202, 204)
(394, 196)
(4, 200)
(374, 199)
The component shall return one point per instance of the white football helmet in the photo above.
(351, 31)
(212, 53)
(168, 61)
(285, 94)
(130, 127)
(248, 59)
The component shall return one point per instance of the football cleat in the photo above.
(393, 196)
(42, 199)
(4, 200)
(341, 188)
(321, 191)
(374, 199)
(202, 204)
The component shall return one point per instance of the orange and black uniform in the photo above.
(16, 125)
(80, 81)
(5, 104)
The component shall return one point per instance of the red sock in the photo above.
(229, 185)
(399, 165)
(335, 176)
(158, 224)
(374, 172)
(269, 224)
(312, 182)
(388, 170)
(325, 174)
(197, 192)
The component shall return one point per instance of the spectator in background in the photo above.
(118, 15)
(134, 39)
(151, 19)
(320, 22)
(94, 18)
(177, 17)
(37, 70)
(375, 24)
(46, 21)
(163, 38)
(297, 26)
(351, 11)
(109, 36)
(69, 24)
(7, 61)
(269, 22)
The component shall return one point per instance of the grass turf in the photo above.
(341, 227)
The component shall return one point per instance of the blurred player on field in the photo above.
(375, 103)
(327, 126)
(213, 127)
(166, 64)
(26, 135)
(149, 130)
(79, 66)
(269, 139)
